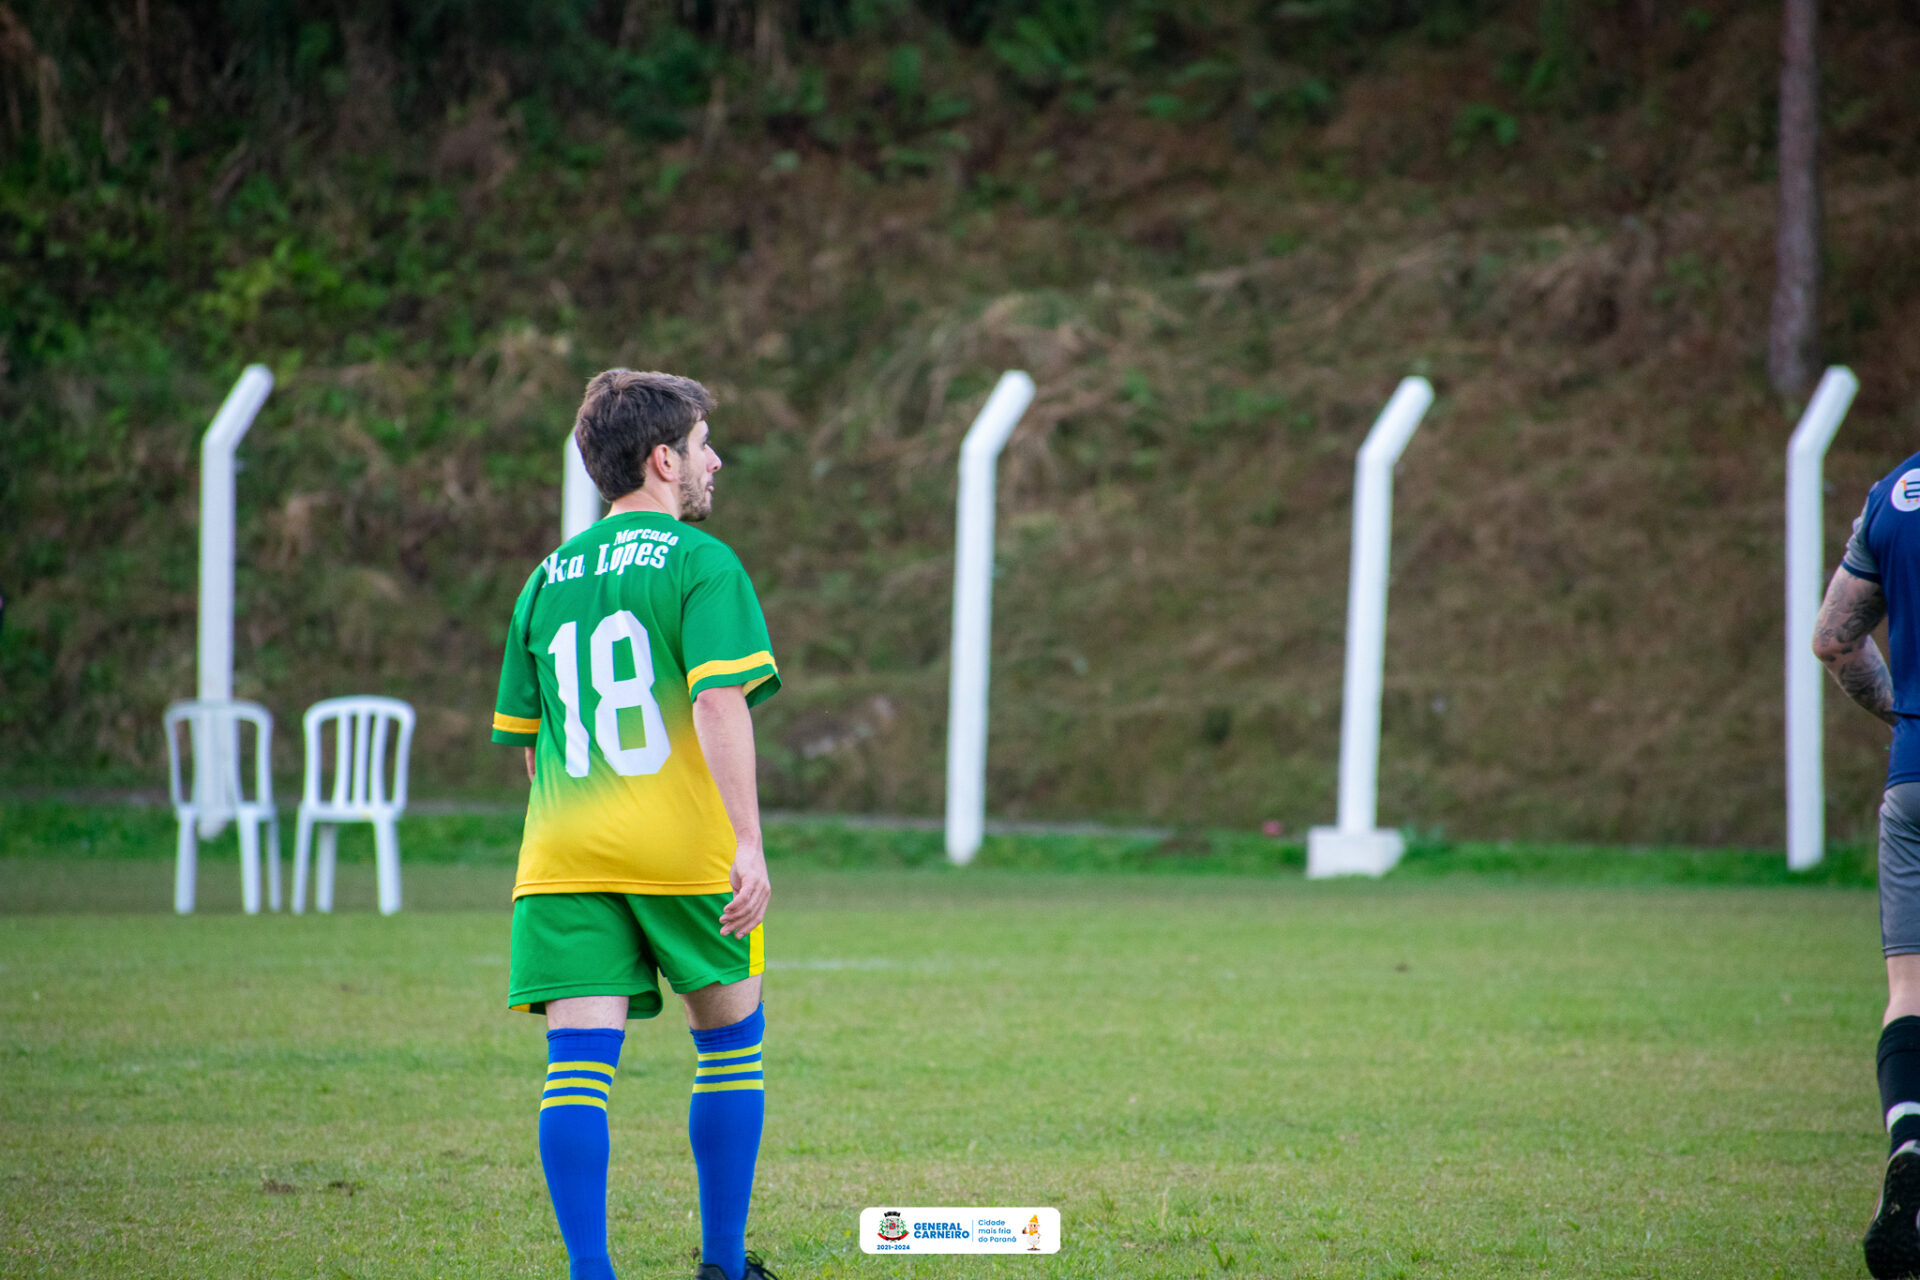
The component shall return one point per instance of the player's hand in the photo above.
(529, 751)
(751, 892)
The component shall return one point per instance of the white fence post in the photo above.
(973, 614)
(215, 765)
(1806, 787)
(1355, 847)
(580, 503)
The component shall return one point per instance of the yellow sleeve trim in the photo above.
(728, 666)
(515, 724)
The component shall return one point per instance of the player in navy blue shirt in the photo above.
(1880, 577)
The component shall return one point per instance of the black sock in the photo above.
(1899, 1060)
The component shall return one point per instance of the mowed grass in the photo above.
(1210, 1075)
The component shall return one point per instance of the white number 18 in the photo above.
(616, 695)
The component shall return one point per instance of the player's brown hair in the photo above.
(625, 415)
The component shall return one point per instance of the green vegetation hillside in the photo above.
(1215, 234)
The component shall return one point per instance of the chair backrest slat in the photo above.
(174, 794)
(377, 772)
(363, 758)
(342, 757)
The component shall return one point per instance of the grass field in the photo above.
(1551, 1065)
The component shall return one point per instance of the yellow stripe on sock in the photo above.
(573, 1102)
(725, 1068)
(580, 1066)
(718, 1054)
(721, 1086)
(579, 1082)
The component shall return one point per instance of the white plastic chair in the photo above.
(362, 732)
(213, 794)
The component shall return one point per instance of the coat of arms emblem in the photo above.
(892, 1225)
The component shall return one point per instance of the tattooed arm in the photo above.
(1843, 639)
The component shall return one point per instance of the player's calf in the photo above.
(724, 1120)
(574, 1143)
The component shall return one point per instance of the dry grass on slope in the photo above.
(1585, 629)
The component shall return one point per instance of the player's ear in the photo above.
(661, 464)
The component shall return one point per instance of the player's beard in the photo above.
(696, 499)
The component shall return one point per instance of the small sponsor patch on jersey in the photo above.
(1906, 491)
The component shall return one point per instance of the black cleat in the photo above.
(1893, 1238)
(756, 1270)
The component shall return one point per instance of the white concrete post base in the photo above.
(1333, 852)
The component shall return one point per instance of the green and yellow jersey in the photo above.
(613, 637)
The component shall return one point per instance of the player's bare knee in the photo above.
(722, 1004)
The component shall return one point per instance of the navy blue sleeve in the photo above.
(1859, 559)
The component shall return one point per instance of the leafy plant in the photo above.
(1048, 47)
(1479, 120)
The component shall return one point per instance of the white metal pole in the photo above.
(214, 754)
(1354, 845)
(973, 614)
(1367, 600)
(1806, 787)
(580, 502)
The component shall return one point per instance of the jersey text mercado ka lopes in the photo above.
(613, 637)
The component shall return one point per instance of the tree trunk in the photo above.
(1791, 353)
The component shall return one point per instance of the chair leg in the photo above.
(323, 872)
(186, 863)
(302, 848)
(249, 863)
(273, 860)
(386, 843)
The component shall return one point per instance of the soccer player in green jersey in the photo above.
(635, 652)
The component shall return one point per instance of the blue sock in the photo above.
(729, 1101)
(573, 1142)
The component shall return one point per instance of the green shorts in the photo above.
(618, 944)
